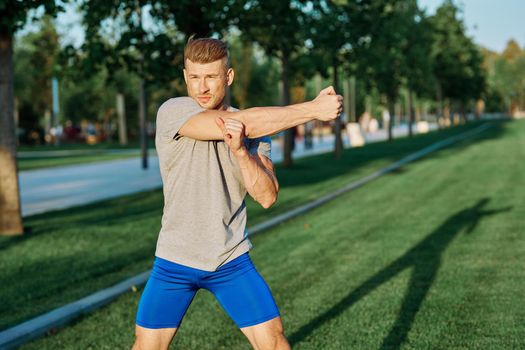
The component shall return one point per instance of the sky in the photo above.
(492, 23)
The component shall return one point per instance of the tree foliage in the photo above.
(386, 52)
(506, 78)
(276, 26)
(36, 63)
(14, 13)
(257, 81)
(390, 45)
(457, 60)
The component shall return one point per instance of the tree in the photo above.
(512, 51)
(457, 60)
(330, 32)
(506, 77)
(258, 78)
(202, 18)
(418, 60)
(13, 14)
(241, 54)
(385, 51)
(131, 48)
(275, 26)
(153, 53)
(34, 67)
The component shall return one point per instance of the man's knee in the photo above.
(267, 336)
(153, 339)
(274, 341)
(280, 341)
(276, 333)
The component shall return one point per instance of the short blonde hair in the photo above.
(205, 50)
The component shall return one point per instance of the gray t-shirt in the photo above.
(204, 218)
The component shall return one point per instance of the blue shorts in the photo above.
(237, 285)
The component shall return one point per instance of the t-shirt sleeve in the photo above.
(262, 145)
(173, 113)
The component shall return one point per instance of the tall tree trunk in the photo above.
(398, 111)
(346, 100)
(242, 82)
(318, 88)
(17, 121)
(10, 213)
(142, 125)
(353, 100)
(411, 112)
(338, 147)
(350, 99)
(142, 103)
(228, 96)
(391, 102)
(288, 134)
(440, 105)
(462, 112)
(55, 116)
(368, 105)
(121, 116)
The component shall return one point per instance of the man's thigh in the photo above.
(242, 292)
(168, 294)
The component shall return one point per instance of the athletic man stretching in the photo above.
(210, 156)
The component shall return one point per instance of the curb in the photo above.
(358, 183)
(36, 327)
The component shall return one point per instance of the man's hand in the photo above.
(257, 171)
(328, 91)
(233, 133)
(327, 105)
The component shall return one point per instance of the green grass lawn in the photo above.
(32, 163)
(428, 257)
(81, 153)
(106, 242)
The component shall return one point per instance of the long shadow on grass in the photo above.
(424, 259)
(311, 171)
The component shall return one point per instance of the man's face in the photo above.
(207, 82)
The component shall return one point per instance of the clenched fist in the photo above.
(233, 133)
(327, 105)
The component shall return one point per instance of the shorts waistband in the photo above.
(171, 264)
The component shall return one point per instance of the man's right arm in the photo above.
(264, 121)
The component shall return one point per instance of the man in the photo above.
(210, 157)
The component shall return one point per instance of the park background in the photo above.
(83, 85)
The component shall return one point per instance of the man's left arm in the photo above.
(257, 170)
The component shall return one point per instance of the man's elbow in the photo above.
(268, 201)
(250, 119)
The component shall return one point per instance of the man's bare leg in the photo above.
(153, 339)
(267, 335)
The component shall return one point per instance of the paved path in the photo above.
(62, 187)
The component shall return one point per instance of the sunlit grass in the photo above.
(312, 263)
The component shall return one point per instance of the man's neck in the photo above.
(223, 107)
